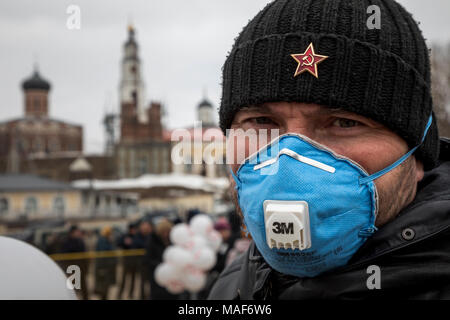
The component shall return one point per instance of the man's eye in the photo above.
(346, 123)
(261, 120)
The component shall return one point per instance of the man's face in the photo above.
(363, 140)
(145, 228)
(77, 233)
(225, 233)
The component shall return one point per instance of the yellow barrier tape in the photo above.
(97, 254)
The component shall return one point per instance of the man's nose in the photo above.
(300, 125)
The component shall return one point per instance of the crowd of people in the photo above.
(128, 270)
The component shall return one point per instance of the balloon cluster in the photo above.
(193, 253)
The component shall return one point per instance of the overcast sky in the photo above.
(182, 43)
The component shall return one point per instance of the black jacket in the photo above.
(418, 268)
(155, 257)
(73, 245)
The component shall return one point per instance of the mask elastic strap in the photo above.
(399, 161)
(238, 182)
(238, 185)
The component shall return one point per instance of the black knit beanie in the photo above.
(382, 74)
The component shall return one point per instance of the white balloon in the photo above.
(194, 280)
(204, 258)
(196, 242)
(165, 273)
(201, 224)
(177, 256)
(169, 253)
(214, 240)
(180, 234)
(175, 287)
(27, 273)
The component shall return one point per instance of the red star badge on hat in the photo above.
(308, 61)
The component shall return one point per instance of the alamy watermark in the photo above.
(374, 20)
(374, 280)
(73, 21)
(199, 146)
(74, 280)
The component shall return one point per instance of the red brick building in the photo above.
(36, 132)
(135, 130)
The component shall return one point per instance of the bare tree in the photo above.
(440, 79)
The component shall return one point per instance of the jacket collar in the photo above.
(253, 276)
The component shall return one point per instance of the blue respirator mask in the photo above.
(307, 208)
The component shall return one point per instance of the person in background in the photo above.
(223, 226)
(129, 262)
(90, 239)
(241, 245)
(192, 213)
(52, 244)
(141, 241)
(159, 241)
(75, 244)
(105, 267)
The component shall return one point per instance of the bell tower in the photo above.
(131, 85)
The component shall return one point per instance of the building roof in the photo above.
(36, 82)
(28, 118)
(28, 182)
(205, 103)
(194, 182)
(80, 165)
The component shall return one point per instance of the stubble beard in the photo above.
(397, 193)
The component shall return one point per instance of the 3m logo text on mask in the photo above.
(283, 228)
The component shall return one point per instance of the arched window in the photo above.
(53, 144)
(38, 145)
(203, 170)
(31, 206)
(59, 206)
(4, 206)
(142, 166)
(72, 145)
(188, 168)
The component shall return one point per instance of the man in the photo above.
(159, 241)
(142, 241)
(224, 228)
(349, 196)
(75, 244)
(129, 262)
(105, 267)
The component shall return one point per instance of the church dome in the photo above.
(205, 103)
(36, 82)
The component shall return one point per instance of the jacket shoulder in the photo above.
(226, 286)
